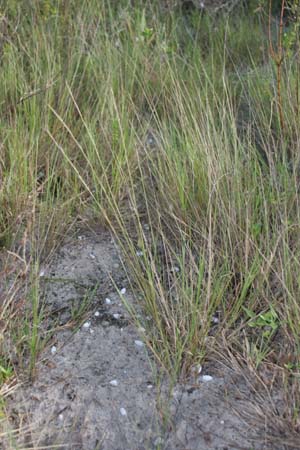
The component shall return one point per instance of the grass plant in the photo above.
(166, 127)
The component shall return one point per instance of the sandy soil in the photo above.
(97, 386)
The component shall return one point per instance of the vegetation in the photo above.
(176, 131)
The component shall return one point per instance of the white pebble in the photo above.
(114, 383)
(197, 368)
(222, 422)
(61, 417)
(97, 314)
(108, 301)
(92, 331)
(215, 319)
(123, 412)
(142, 330)
(116, 316)
(139, 343)
(123, 291)
(206, 378)
(80, 238)
(150, 386)
(139, 253)
(53, 350)
(86, 325)
(92, 256)
(176, 269)
(42, 273)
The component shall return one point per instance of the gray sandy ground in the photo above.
(96, 388)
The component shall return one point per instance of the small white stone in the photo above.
(42, 273)
(206, 378)
(197, 368)
(150, 386)
(141, 330)
(97, 314)
(61, 417)
(215, 319)
(86, 325)
(80, 238)
(176, 269)
(146, 226)
(114, 383)
(116, 316)
(108, 301)
(92, 256)
(222, 422)
(53, 350)
(92, 331)
(123, 412)
(123, 291)
(139, 253)
(139, 343)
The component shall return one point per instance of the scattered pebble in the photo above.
(206, 378)
(139, 343)
(86, 325)
(92, 256)
(222, 422)
(116, 316)
(150, 386)
(123, 291)
(108, 301)
(92, 331)
(61, 417)
(114, 383)
(215, 319)
(139, 253)
(80, 238)
(176, 269)
(97, 314)
(141, 330)
(146, 226)
(123, 412)
(42, 273)
(53, 350)
(158, 441)
(197, 368)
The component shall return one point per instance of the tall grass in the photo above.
(166, 127)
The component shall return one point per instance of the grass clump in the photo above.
(168, 129)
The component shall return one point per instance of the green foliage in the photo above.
(84, 88)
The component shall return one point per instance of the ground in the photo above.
(97, 385)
